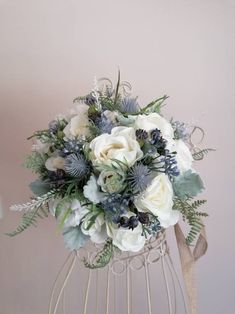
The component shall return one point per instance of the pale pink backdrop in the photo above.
(50, 51)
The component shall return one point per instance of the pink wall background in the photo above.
(50, 51)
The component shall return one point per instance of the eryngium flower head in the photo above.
(129, 105)
(180, 130)
(104, 124)
(76, 166)
(139, 177)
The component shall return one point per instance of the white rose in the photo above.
(54, 162)
(121, 144)
(97, 231)
(127, 239)
(158, 199)
(184, 157)
(154, 121)
(79, 124)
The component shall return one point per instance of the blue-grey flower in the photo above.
(129, 105)
(76, 166)
(180, 130)
(139, 177)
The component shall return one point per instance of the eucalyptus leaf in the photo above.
(39, 187)
(74, 238)
(187, 185)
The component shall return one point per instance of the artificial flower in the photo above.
(158, 199)
(121, 145)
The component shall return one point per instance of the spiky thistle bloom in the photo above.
(139, 177)
(129, 105)
(76, 166)
(180, 130)
(104, 124)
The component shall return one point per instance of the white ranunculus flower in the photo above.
(79, 123)
(121, 144)
(158, 199)
(97, 231)
(184, 157)
(127, 239)
(154, 121)
(55, 162)
(91, 191)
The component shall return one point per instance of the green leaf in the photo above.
(155, 106)
(35, 162)
(74, 238)
(103, 257)
(39, 187)
(191, 215)
(29, 219)
(187, 185)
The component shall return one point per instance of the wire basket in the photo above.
(132, 283)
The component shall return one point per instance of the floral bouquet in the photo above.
(114, 173)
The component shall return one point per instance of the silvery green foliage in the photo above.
(36, 203)
(76, 166)
(74, 238)
(187, 185)
(39, 187)
(125, 121)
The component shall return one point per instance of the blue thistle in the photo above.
(76, 166)
(104, 124)
(139, 177)
(180, 130)
(54, 126)
(129, 105)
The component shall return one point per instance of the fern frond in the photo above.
(35, 162)
(30, 219)
(36, 203)
(202, 153)
(192, 216)
(103, 257)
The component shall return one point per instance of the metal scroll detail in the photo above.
(147, 278)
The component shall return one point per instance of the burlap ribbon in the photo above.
(188, 259)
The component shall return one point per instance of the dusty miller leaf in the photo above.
(188, 185)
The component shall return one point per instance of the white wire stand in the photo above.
(133, 283)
